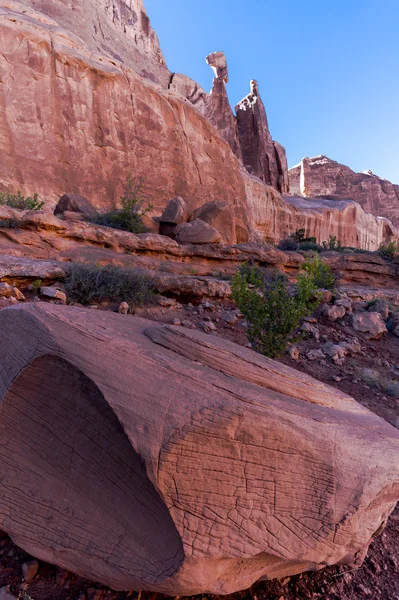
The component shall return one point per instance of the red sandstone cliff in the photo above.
(321, 176)
(75, 118)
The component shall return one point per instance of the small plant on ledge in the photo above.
(389, 250)
(21, 202)
(130, 216)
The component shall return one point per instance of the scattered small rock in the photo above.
(381, 307)
(5, 593)
(315, 354)
(166, 302)
(9, 291)
(29, 570)
(123, 308)
(294, 353)
(333, 313)
(230, 318)
(52, 292)
(369, 323)
(207, 326)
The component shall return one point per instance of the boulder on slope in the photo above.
(219, 215)
(75, 203)
(197, 232)
(219, 469)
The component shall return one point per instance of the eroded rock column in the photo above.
(217, 109)
(262, 157)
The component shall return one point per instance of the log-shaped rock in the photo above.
(152, 457)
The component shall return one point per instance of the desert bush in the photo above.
(332, 244)
(310, 246)
(288, 244)
(273, 311)
(8, 224)
(321, 273)
(21, 202)
(130, 216)
(389, 250)
(299, 237)
(296, 240)
(89, 283)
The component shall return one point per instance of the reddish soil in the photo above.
(377, 579)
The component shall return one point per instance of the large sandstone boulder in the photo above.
(176, 212)
(197, 232)
(221, 216)
(321, 176)
(75, 203)
(220, 468)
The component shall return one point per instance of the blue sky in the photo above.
(328, 70)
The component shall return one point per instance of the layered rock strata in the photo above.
(171, 265)
(111, 487)
(321, 176)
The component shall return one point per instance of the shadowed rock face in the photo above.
(321, 176)
(221, 468)
(261, 156)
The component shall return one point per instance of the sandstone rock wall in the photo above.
(118, 29)
(274, 217)
(76, 121)
(321, 176)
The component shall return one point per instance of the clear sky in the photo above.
(328, 70)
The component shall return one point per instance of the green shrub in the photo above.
(37, 284)
(130, 216)
(88, 283)
(272, 311)
(321, 273)
(333, 244)
(310, 246)
(21, 202)
(288, 244)
(389, 250)
(296, 240)
(299, 237)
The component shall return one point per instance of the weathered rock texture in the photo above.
(261, 156)
(321, 176)
(118, 29)
(221, 468)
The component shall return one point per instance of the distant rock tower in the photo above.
(262, 157)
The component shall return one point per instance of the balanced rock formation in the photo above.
(217, 109)
(321, 176)
(221, 468)
(261, 156)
